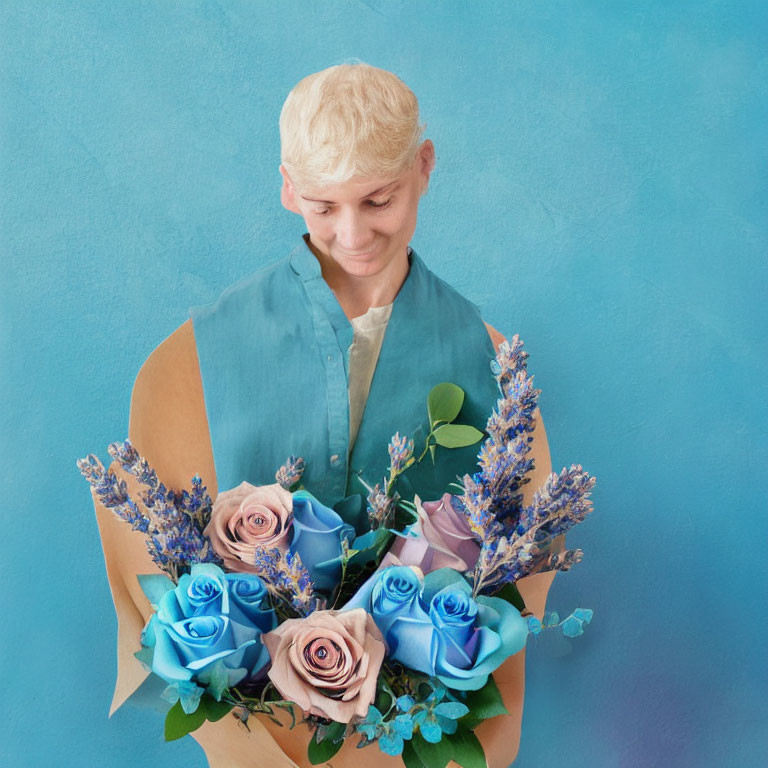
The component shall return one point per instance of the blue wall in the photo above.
(600, 189)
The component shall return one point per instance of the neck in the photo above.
(355, 294)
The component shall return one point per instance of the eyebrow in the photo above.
(370, 194)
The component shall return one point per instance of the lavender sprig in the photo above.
(492, 496)
(290, 473)
(172, 522)
(112, 492)
(516, 541)
(286, 578)
(562, 502)
(381, 506)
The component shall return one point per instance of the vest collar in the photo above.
(305, 264)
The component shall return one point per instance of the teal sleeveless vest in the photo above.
(273, 353)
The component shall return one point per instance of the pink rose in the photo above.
(248, 517)
(443, 539)
(327, 663)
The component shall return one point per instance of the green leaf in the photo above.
(444, 402)
(335, 731)
(215, 710)
(467, 750)
(178, 723)
(432, 449)
(485, 703)
(432, 755)
(410, 758)
(457, 435)
(511, 594)
(322, 751)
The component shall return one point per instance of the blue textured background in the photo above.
(600, 189)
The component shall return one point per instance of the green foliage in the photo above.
(485, 703)
(467, 749)
(457, 435)
(436, 755)
(511, 594)
(178, 723)
(321, 751)
(444, 403)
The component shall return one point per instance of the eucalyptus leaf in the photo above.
(457, 435)
(444, 402)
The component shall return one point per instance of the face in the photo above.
(365, 224)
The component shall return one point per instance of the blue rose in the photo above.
(435, 626)
(207, 629)
(318, 532)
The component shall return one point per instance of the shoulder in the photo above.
(168, 424)
(264, 281)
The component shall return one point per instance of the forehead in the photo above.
(357, 188)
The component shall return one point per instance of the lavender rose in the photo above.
(248, 517)
(327, 663)
(441, 538)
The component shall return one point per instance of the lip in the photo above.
(364, 255)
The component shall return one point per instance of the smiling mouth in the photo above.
(357, 255)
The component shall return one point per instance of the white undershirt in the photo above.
(369, 332)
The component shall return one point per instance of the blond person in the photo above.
(324, 353)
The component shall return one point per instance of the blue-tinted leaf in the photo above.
(391, 744)
(368, 730)
(551, 619)
(584, 614)
(447, 725)
(572, 627)
(431, 730)
(534, 625)
(420, 716)
(404, 703)
(453, 710)
(403, 726)
(373, 716)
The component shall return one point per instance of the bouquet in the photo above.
(380, 619)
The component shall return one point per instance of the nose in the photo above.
(352, 232)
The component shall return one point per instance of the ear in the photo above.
(288, 193)
(426, 161)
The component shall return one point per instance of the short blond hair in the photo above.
(349, 120)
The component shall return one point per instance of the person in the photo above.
(319, 354)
